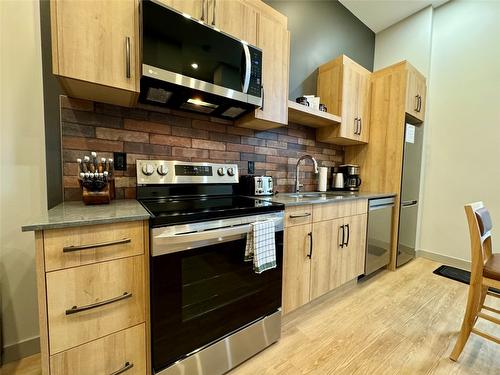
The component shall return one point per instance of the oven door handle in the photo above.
(174, 242)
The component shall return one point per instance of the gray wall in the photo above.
(51, 92)
(321, 30)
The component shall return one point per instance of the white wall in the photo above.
(409, 39)
(463, 154)
(22, 164)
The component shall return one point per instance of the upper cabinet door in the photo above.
(235, 18)
(96, 42)
(415, 93)
(350, 98)
(345, 87)
(274, 41)
(195, 8)
(364, 105)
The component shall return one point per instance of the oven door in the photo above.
(202, 290)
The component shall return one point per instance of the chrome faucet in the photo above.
(297, 185)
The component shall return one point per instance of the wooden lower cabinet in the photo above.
(348, 261)
(124, 350)
(324, 255)
(81, 287)
(296, 267)
(93, 302)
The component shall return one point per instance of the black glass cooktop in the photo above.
(168, 211)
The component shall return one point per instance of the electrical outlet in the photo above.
(120, 161)
(251, 167)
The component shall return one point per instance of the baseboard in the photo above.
(21, 349)
(445, 259)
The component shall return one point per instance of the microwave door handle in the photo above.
(248, 67)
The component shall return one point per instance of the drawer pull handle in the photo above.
(69, 249)
(76, 309)
(301, 215)
(127, 366)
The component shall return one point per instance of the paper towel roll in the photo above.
(323, 178)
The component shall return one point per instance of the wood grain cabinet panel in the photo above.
(236, 18)
(296, 267)
(96, 243)
(415, 93)
(82, 287)
(119, 351)
(274, 40)
(329, 211)
(298, 215)
(344, 86)
(95, 49)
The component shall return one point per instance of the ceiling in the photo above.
(380, 14)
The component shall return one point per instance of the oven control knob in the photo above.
(220, 171)
(162, 170)
(230, 172)
(148, 169)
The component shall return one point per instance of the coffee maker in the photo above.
(352, 181)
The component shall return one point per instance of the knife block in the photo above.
(102, 196)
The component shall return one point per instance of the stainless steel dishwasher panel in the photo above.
(378, 242)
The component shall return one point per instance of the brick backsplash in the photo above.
(148, 132)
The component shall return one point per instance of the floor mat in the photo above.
(458, 275)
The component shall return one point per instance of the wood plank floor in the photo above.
(402, 322)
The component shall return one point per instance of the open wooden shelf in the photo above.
(303, 115)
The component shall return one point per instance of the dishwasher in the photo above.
(378, 238)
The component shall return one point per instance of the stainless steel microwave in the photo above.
(192, 66)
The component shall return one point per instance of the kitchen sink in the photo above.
(305, 195)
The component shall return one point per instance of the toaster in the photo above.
(256, 185)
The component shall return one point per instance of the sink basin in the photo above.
(305, 195)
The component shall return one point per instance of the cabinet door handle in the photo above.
(343, 237)
(419, 103)
(355, 125)
(127, 56)
(310, 245)
(416, 103)
(300, 215)
(69, 249)
(127, 366)
(360, 126)
(213, 13)
(76, 309)
(202, 18)
(348, 234)
(262, 96)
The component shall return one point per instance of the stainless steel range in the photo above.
(209, 310)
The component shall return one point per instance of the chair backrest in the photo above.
(480, 226)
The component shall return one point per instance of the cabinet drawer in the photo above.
(121, 350)
(298, 215)
(329, 211)
(89, 302)
(70, 247)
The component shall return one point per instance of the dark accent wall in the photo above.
(51, 93)
(319, 32)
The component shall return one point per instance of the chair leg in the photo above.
(473, 302)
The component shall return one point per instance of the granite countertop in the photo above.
(72, 214)
(291, 199)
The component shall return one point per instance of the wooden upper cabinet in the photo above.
(95, 49)
(195, 8)
(235, 18)
(274, 40)
(344, 86)
(415, 93)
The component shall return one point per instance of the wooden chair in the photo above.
(485, 273)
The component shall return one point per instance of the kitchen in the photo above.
(380, 111)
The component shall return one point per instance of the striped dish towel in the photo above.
(261, 247)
